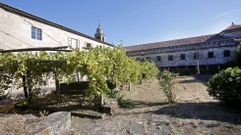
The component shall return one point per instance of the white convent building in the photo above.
(202, 54)
(22, 31)
(19, 29)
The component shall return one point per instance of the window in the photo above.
(183, 56)
(196, 55)
(73, 43)
(226, 53)
(36, 33)
(88, 45)
(210, 54)
(158, 58)
(170, 57)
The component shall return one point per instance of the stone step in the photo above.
(71, 92)
(78, 113)
(88, 114)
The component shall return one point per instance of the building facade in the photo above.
(202, 54)
(19, 29)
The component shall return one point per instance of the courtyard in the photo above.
(195, 113)
(147, 113)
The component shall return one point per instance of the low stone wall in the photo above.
(55, 124)
(111, 107)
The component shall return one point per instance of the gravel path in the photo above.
(196, 113)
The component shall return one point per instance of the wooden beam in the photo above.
(60, 48)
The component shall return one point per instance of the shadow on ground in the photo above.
(132, 104)
(50, 103)
(203, 111)
(189, 81)
(197, 79)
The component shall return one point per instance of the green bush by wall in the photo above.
(226, 86)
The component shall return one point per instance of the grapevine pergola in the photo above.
(25, 77)
(98, 64)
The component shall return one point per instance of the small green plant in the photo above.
(226, 86)
(43, 113)
(123, 103)
(22, 104)
(167, 83)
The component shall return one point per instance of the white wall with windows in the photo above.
(20, 32)
(188, 58)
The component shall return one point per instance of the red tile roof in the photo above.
(233, 28)
(185, 41)
(176, 42)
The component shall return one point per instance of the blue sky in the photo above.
(137, 21)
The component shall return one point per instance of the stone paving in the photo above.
(152, 124)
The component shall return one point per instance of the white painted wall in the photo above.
(20, 28)
(189, 61)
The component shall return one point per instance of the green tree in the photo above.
(238, 56)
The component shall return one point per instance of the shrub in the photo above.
(123, 103)
(237, 58)
(226, 86)
(167, 83)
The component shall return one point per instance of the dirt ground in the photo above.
(15, 124)
(195, 113)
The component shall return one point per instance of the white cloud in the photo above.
(227, 13)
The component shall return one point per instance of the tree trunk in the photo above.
(129, 86)
(102, 99)
(117, 85)
(30, 92)
(141, 78)
(25, 89)
(78, 77)
(56, 82)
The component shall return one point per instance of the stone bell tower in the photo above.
(100, 33)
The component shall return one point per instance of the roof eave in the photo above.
(42, 20)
